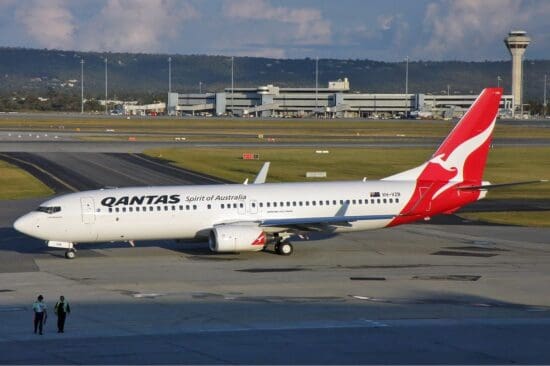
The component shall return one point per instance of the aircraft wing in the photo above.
(262, 174)
(288, 222)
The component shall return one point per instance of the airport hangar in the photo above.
(334, 101)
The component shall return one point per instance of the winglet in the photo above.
(262, 174)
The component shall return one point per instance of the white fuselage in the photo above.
(179, 212)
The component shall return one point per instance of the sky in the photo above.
(383, 30)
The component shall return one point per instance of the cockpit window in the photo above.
(49, 209)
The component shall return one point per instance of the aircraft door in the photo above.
(87, 205)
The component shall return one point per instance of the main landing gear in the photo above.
(70, 254)
(282, 247)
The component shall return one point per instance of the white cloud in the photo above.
(469, 26)
(50, 23)
(308, 25)
(136, 25)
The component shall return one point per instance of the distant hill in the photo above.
(37, 72)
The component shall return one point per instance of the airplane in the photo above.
(249, 217)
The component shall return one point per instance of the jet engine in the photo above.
(237, 238)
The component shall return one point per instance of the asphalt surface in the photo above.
(460, 293)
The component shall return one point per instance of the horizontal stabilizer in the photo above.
(492, 186)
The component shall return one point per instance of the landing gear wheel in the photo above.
(70, 254)
(284, 248)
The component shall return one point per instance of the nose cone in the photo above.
(24, 224)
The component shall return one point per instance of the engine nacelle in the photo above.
(237, 238)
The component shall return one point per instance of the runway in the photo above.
(425, 293)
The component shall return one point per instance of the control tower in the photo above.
(517, 42)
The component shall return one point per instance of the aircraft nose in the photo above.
(24, 224)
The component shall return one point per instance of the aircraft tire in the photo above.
(284, 249)
(70, 254)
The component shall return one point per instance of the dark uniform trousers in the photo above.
(61, 315)
(38, 322)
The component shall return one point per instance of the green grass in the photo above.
(18, 184)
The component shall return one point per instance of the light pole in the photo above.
(81, 85)
(232, 82)
(169, 74)
(499, 79)
(407, 75)
(448, 90)
(200, 87)
(544, 97)
(106, 85)
(316, 83)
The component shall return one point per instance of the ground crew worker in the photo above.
(62, 308)
(40, 314)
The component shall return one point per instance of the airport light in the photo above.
(106, 112)
(169, 74)
(81, 85)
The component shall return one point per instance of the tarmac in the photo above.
(452, 291)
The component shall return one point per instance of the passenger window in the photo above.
(117, 209)
(320, 203)
(194, 207)
(123, 209)
(187, 207)
(391, 200)
(253, 204)
(158, 208)
(151, 208)
(130, 209)
(274, 204)
(173, 208)
(313, 203)
(307, 203)
(347, 202)
(222, 205)
(397, 200)
(354, 202)
(241, 205)
(165, 208)
(385, 200)
(334, 202)
(268, 204)
(341, 202)
(378, 200)
(261, 204)
(288, 203)
(234, 205)
(360, 202)
(327, 202)
(110, 209)
(181, 207)
(294, 203)
(209, 206)
(301, 203)
(372, 200)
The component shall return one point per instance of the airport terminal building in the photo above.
(334, 101)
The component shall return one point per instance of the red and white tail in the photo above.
(459, 161)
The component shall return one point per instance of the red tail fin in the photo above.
(460, 159)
